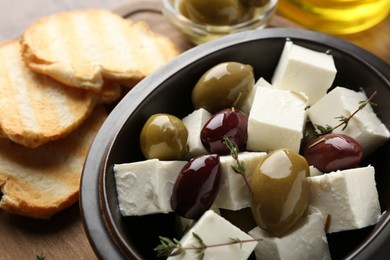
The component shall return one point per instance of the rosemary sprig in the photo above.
(169, 247)
(40, 257)
(202, 246)
(345, 120)
(240, 167)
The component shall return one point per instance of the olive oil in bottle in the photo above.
(335, 16)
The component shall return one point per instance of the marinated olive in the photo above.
(224, 85)
(333, 152)
(254, 3)
(215, 12)
(197, 186)
(229, 122)
(164, 137)
(280, 191)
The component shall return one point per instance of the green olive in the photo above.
(215, 12)
(280, 191)
(254, 3)
(224, 85)
(164, 137)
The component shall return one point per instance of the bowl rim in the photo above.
(171, 12)
(92, 198)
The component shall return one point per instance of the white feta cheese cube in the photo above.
(184, 224)
(304, 70)
(314, 171)
(307, 240)
(233, 192)
(276, 120)
(365, 127)
(146, 187)
(194, 123)
(214, 229)
(247, 104)
(349, 197)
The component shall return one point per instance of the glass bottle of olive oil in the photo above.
(335, 16)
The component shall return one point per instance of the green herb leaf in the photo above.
(201, 247)
(173, 247)
(168, 247)
(345, 120)
(324, 129)
(236, 241)
(240, 168)
(232, 146)
(40, 257)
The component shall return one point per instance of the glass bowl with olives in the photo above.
(203, 20)
(168, 94)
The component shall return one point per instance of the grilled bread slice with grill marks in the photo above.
(34, 108)
(43, 181)
(82, 48)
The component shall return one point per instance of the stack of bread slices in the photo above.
(54, 83)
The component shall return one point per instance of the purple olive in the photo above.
(228, 122)
(197, 186)
(333, 152)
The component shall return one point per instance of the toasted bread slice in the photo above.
(81, 48)
(43, 181)
(34, 108)
(111, 92)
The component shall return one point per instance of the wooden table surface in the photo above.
(63, 236)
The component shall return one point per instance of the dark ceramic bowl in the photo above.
(169, 89)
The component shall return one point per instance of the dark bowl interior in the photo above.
(169, 89)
